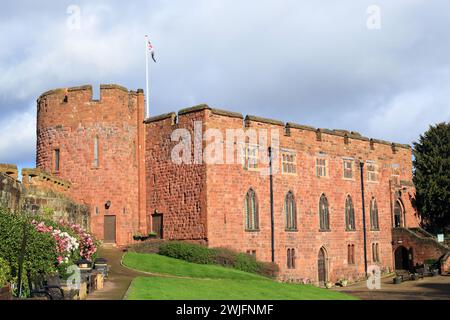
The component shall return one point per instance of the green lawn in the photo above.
(210, 282)
(155, 263)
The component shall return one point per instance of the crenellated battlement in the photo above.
(32, 177)
(250, 120)
(85, 91)
(67, 107)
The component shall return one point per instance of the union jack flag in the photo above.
(151, 50)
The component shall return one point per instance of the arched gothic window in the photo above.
(290, 210)
(349, 214)
(251, 211)
(324, 213)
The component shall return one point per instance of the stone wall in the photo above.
(10, 190)
(176, 191)
(70, 121)
(423, 248)
(222, 187)
(41, 195)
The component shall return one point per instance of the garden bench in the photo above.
(39, 288)
(49, 287)
(404, 274)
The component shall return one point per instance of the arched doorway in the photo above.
(322, 266)
(401, 258)
(398, 215)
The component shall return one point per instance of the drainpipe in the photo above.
(272, 218)
(361, 164)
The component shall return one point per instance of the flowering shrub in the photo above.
(87, 243)
(66, 245)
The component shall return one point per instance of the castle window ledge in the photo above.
(291, 230)
(251, 169)
(348, 179)
(375, 230)
(289, 174)
(324, 230)
(252, 230)
(350, 230)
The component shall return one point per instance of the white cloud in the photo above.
(308, 62)
(18, 138)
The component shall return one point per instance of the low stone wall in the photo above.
(423, 248)
(10, 192)
(40, 194)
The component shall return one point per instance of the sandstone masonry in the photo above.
(119, 165)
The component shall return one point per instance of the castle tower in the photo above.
(98, 145)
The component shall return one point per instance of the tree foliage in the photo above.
(432, 177)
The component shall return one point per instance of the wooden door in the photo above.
(322, 268)
(157, 225)
(109, 235)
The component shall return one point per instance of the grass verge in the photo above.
(211, 282)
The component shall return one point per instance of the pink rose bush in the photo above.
(87, 243)
(66, 245)
(69, 245)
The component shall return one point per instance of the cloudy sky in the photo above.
(327, 63)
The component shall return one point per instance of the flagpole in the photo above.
(147, 93)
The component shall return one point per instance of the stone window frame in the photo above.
(374, 215)
(372, 174)
(323, 167)
(247, 156)
(96, 153)
(350, 223)
(251, 252)
(290, 215)
(290, 258)
(56, 160)
(251, 211)
(290, 164)
(344, 169)
(324, 215)
(395, 175)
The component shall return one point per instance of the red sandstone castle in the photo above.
(307, 217)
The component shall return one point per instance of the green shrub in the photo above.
(430, 261)
(202, 255)
(225, 257)
(5, 273)
(150, 246)
(268, 269)
(40, 255)
(247, 263)
(187, 251)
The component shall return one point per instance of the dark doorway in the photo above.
(109, 235)
(157, 225)
(322, 267)
(402, 258)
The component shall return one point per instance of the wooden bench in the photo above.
(404, 275)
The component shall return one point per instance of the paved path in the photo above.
(429, 288)
(119, 280)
